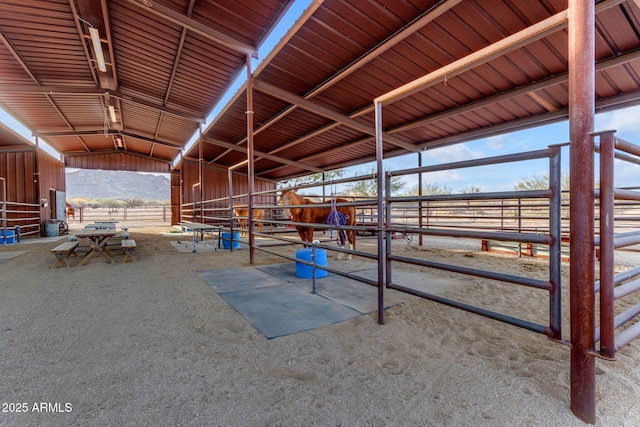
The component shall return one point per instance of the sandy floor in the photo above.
(151, 344)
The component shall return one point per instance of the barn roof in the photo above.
(11, 141)
(497, 66)
(314, 96)
(166, 64)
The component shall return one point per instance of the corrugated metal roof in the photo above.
(345, 54)
(11, 140)
(168, 65)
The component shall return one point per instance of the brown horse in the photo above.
(317, 215)
(71, 213)
(243, 212)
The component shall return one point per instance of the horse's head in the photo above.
(285, 197)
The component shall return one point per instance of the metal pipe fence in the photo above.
(22, 218)
(615, 288)
(548, 232)
(280, 223)
(531, 217)
(141, 214)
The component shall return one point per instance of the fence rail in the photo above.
(142, 214)
(547, 232)
(23, 218)
(612, 287)
(534, 218)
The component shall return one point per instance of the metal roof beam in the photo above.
(330, 114)
(278, 159)
(178, 112)
(71, 155)
(552, 117)
(195, 26)
(385, 45)
(422, 20)
(17, 57)
(51, 90)
(80, 91)
(100, 131)
(96, 14)
(508, 44)
(543, 84)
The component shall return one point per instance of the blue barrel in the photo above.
(9, 239)
(226, 240)
(306, 271)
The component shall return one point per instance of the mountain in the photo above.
(91, 184)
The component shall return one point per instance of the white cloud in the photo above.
(626, 174)
(624, 121)
(497, 142)
(451, 153)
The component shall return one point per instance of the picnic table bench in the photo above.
(128, 246)
(63, 251)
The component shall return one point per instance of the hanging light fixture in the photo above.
(112, 114)
(97, 48)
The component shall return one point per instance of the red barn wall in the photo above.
(215, 185)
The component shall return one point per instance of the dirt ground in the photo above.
(151, 344)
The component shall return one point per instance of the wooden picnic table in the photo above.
(96, 239)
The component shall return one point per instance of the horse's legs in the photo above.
(302, 232)
(350, 244)
(308, 234)
(351, 237)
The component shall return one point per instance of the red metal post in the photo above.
(420, 209)
(250, 159)
(582, 296)
(607, 299)
(381, 226)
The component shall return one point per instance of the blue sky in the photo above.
(624, 121)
